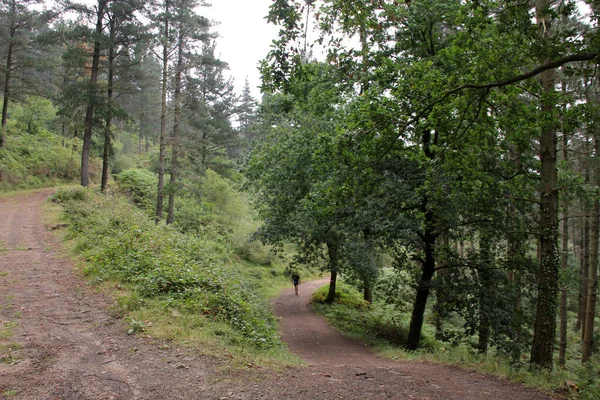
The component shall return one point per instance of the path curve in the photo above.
(66, 344)
(353, 365)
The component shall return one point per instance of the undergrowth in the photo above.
(38, 160)
(165, 270)
(385, 329)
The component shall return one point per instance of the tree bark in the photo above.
(588, 337)
(6, 92)
(585, 258)
(7, 75)
(544, 334)
(564, 258)
(89, 113)
(428, 269)
(176, 128)
(332, 249)
(368, 292)
(109, 95)
(163, 120)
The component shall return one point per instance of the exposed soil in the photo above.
(67, 345)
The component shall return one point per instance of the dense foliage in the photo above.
(430, 133)
(34, 156)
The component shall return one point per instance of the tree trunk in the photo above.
(163, 121)
(564, 258)
(109, 95)
(588, 337)
(368, 292)
(585, 259)
(89, 113)
(428, 269)
(441, 295)
(544, 333)
(332, 249)
(580, 306)
(7, 76)
(6, 91)
(485, 283)
(175, 138)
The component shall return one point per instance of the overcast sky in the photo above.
(245, 37)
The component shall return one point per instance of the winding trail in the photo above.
(311, 337)
(59, 340)
(357, 372)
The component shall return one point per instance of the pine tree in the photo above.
(191, 30)
(18, 24)
(246, 111)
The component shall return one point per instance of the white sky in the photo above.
(245, 37)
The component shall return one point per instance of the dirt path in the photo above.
(71, 347)
(350, 371)
(66, 345)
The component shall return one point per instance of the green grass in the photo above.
(7, 329)
(10, 194)
(175, 287)
(213, 338)
(9, 352)
(39, 160)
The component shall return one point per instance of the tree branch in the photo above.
(518, 78)
(532, 73)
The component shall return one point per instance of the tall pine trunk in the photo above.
(176, 128)
(544, 334)
(590, 314)
(585, 257)
(109, 95)
(92, 93)
(564, 258)
(163, 120)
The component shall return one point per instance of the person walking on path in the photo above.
(296, 281)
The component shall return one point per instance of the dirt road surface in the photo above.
(58, 340)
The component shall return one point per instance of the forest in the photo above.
(437, 159)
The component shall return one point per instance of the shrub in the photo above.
(140, 185)
(158, 262)
(75, 193)
(33, 115)
(29, 161)
(378, 323)
(344, 294)
(121, 163)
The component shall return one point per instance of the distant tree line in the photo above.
(147, 70)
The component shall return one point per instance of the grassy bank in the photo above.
(385, 329)
(182, 288)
